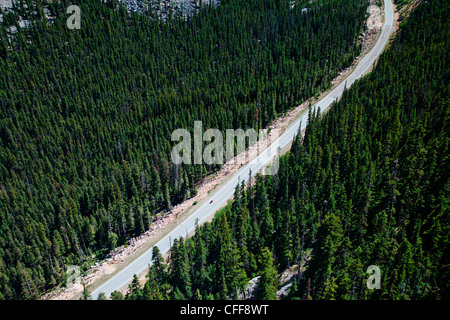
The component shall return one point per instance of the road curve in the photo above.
(226, 191)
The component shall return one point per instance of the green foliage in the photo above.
(116, 295)
(86, 116)
(267, 284)
(367, 185)
(378, 159)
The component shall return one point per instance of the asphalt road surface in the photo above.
(226, 191)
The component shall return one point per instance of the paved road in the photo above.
(226, 191)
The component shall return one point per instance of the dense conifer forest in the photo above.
(86, 118)
(368, 184)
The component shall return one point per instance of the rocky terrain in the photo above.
(163, 7)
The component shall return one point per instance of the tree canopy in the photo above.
(86, 115)
(368, 184)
